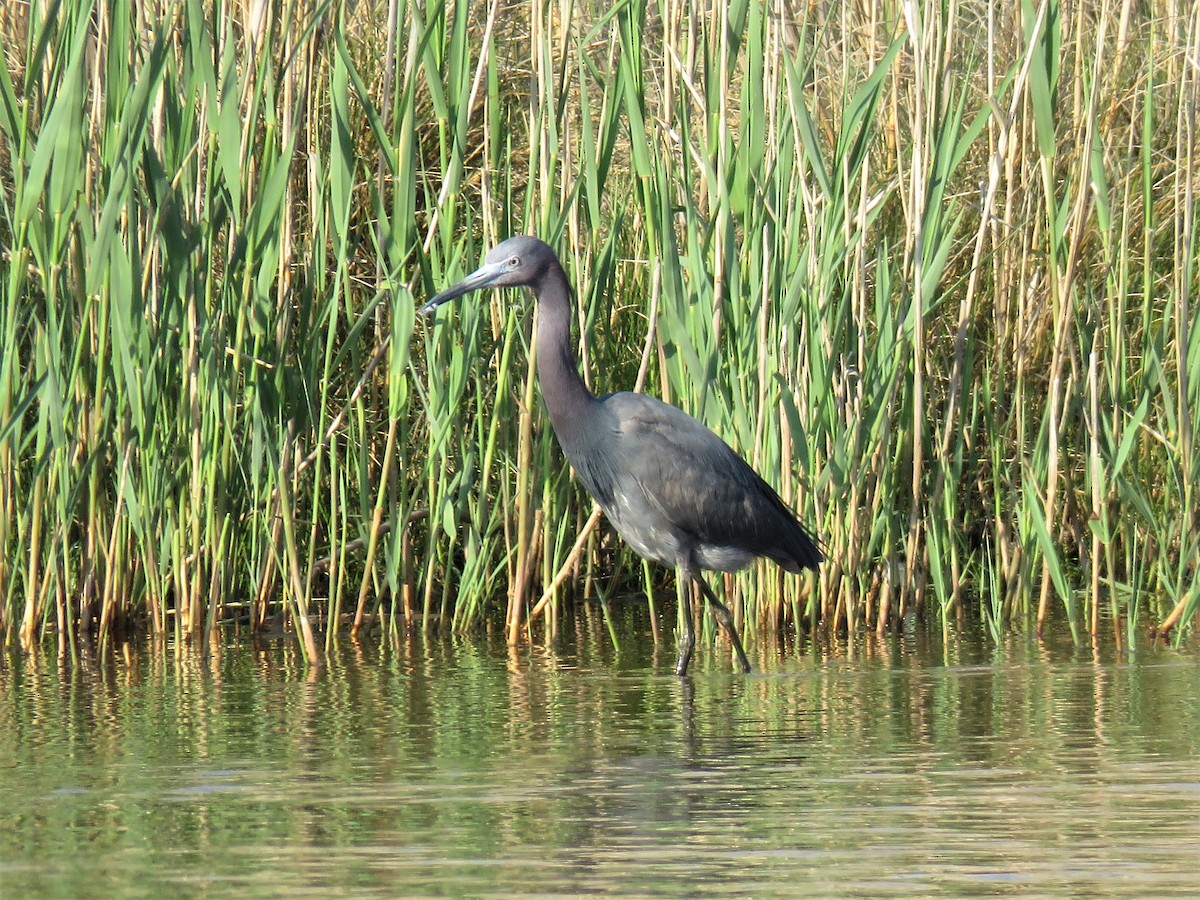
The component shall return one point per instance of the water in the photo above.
(453, 768)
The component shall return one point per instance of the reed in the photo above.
(930, 267)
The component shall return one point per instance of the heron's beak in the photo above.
(482, 277)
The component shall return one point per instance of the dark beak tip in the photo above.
(432, 304)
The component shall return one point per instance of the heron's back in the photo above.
(677, 493)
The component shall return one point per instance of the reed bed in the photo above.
(930, 267)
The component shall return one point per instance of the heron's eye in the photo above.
(514, 261)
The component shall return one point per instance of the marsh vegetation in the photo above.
(931, 268)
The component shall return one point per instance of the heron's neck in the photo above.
(566, 396)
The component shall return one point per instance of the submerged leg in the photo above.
(688, 643)
(725, 617)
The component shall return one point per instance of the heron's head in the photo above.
(520, 260)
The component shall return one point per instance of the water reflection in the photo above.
(451, 766)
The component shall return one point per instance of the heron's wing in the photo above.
(695, 478)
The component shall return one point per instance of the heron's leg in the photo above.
(725, 617)
(688, 642)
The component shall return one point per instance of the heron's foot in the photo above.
(687, 644)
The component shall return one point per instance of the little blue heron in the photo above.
(677, 493)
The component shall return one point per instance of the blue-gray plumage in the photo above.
(673, 490)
